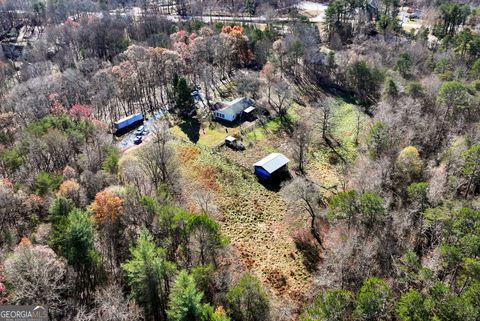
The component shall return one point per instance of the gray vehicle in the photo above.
(140, 130)
(233, 144)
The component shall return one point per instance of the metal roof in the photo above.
(230, 139)
(272, 162)
(128, 117)
(236, 107)
(249, 109)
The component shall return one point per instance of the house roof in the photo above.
(236, 106)
(272, 162)
(230, 139)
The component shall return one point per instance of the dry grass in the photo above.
(255, 220)
(259, 223)
(186, 154)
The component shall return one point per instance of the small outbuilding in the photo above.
(274, 165)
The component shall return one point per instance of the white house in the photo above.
(232, 110)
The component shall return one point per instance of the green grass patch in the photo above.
(346, 119)
(271, 127)
(206, 136)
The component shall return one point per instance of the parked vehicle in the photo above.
(138, 140)
(140, 130)
(233, 144)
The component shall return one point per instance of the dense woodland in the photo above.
(382, 213)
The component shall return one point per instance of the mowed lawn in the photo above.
(205, 136)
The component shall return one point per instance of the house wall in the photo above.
(223, 116)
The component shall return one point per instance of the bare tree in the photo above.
(37, 276)
(248, 85)
(84, 315)
(281, 99)
(204, 199)
(358, 123)
(111, 305)
(326, 117)
(158, 158)
(327, 121)
(302, 139)
(309, 197)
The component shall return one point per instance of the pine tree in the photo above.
(183, 96)
(75, 242)
(186, 300)
(148, 273)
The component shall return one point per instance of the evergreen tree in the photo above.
(75, 241)
(352, 206)
(391, 90)
(411, 307)
(471, 167)
(378, 140)
(148, 273)
(404, 65)
(186, 300)
(183, 96)
(332, 305)
(373, 300)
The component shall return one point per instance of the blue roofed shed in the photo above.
(270, 166)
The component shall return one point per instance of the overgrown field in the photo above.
(254, 218)
(259, 222)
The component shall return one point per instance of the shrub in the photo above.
(248, 301)
(46, 182)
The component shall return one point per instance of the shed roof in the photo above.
(272, 162)
(249, 109)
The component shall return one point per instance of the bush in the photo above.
(373, 300)
(46, 182)
(332, 305)
(378, 140)
(248, 301)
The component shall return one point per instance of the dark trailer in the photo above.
(272, 166)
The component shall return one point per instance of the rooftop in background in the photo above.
(272, 162)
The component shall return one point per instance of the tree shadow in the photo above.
(191, 128)
(309, 248)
